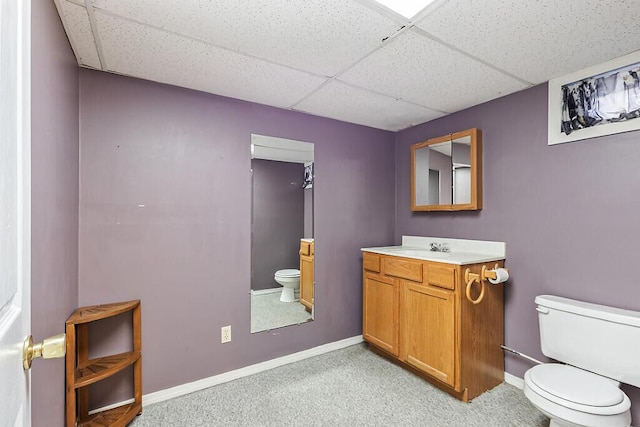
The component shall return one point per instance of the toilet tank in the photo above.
(597, 338)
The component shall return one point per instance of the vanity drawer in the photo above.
(443, 276)
(371, 262)
(402, 268)
(305, 248)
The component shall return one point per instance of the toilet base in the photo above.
(556, 423)
(288, 295)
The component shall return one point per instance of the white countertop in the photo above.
(461, 251)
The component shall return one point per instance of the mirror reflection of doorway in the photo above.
(461, 184)
(434, 187)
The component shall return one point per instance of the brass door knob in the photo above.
(49, 348)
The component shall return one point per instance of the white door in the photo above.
(15, 223)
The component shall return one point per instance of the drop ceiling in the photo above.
(351, 60)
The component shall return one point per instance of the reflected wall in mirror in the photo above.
(446, 172)
(282, 246)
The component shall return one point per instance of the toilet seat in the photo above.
(290, 272)
(577, 389)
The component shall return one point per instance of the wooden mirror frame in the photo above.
(475, 157)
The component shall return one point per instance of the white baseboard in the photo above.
(181, 390)
(513, 380)
(266, 291)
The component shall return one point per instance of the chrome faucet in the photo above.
(439, 247)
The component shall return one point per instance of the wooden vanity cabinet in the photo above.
(307, 277)
(428, 327)
(416, 313)
(381, 295)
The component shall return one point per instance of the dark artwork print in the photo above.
(605, 98)
(308, 177)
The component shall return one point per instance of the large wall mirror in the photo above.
(282, 245)
(446, 172)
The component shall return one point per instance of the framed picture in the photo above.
(597, 101)
(308, 176)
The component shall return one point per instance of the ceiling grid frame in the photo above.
(199, 40)
(388, 39)
(337, 53)
(431, 37)
(96, 34)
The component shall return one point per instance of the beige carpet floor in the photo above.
(348, 387)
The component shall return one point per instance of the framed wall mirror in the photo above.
(446, 172)
(282, 244)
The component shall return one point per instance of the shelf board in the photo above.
(98, 369)
(102, 311)
(119, 416)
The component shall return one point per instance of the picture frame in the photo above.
(308, 176)
(625, 119)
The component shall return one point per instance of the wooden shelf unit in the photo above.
(81, 371)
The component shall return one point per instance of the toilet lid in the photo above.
(575, 385)
(288, 273)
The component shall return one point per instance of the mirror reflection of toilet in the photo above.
(290, 280)
(601, 346)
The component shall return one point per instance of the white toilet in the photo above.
(290, 280)
(601, 346)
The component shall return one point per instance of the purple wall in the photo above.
(54, 201)
(184, 155)
(278, 220)
(568, 213)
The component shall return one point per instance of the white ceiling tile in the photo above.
(145, 52)
(425, 72)
(463, 53)
(343, 102)
(538, 40)
(319, 36)
(78, 29)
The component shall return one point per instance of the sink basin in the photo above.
(422, 253)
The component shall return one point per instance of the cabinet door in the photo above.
(429, 331)
(380, 312)
(306, 281)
